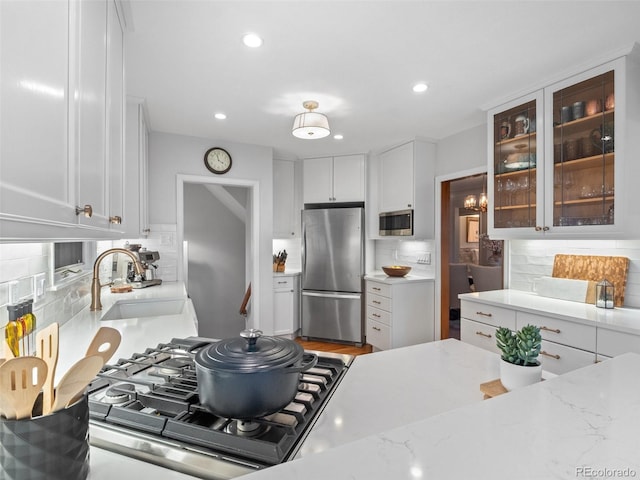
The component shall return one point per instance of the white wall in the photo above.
(170, 155)
(463, 151)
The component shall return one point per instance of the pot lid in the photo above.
(250, 352)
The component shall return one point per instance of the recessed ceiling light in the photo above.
(252, 40)
(220, 116)
(420, 87)
(338, 137)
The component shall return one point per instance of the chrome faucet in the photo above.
(95, 281)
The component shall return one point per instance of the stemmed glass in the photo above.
(510, 187)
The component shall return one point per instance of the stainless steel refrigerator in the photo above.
(332, 273)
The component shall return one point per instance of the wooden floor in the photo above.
(333, 347)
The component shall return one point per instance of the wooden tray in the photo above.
(594, 268)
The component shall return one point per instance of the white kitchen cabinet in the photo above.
(334, 179)
(399, 314)
(407, 181)
(286, 304)
(286, 211)
(560, 157)
(58, 135)
(479, 322)
(612, 343)
(135, 220)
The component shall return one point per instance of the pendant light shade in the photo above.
(310, 125)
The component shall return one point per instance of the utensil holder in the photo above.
(49, 447)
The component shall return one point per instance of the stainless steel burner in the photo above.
(173, 366)
(119, 393)
(247, 428)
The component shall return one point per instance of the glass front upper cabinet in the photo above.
(515, 156)
(584, 152)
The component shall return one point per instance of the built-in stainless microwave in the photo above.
(399, 223)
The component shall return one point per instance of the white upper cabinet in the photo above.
(135, 219)
(397, 178)
(62, 119)
(286, 213)
(561, 158)
(334, 179)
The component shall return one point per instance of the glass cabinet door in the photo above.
(583, 153)
(515, 149)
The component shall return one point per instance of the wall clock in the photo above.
(217, 160)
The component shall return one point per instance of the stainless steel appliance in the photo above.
(332, 273)
(148, 260)
(396, 224)
(147, 407)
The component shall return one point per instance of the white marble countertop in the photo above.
(575, 425)
(619, 319)
(395, 387)
(137, 334)
(380, 276)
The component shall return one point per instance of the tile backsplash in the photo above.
(530, 259)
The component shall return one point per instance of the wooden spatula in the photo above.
(21, 380)
(105, 342)
(75, 380)
(47, 346)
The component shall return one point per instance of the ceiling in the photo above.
(359, 60)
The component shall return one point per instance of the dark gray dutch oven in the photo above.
(250, 376)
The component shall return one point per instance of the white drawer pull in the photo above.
(484, 314)
(488, 335)
(376, 329)
(547, 329)
(551, 355)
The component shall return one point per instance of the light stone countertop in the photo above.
(380, 276)
(619, 319)
(578, 425)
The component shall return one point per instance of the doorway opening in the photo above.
(465, 247)
(217, 231)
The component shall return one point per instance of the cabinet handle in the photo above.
(115, 219)
(375, 315)
(484, 314)
(554, 330)
(376, 289)
(545, 229)
(488, 335)
(551, 355)
(538, 228)
(376, 302)
(376, 329)
(280, 283)
(87, 211)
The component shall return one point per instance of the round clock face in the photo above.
(217, 160)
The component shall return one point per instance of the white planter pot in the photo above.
(516, 376)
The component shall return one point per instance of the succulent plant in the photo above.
(521, 347)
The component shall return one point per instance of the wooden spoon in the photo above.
(76, 380)
(47, 345)
(21, 380)
(105, 342)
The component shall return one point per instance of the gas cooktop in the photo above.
(147, 407)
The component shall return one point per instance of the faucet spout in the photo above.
(95, 281)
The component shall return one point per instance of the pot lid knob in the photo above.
(252, 335)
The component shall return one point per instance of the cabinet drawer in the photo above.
(378, 334)
(285, 283)
(379, 289)
(496, 316)
(378, 315)
(561, 331)
(478, 334)
(611, 343)
(558, 359)
(383, 303)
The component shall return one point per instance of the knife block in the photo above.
(48, 447)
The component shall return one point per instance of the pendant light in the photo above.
(310, 125)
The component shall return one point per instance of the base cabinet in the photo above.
(612, 343)
(286, 304)
(399, 314)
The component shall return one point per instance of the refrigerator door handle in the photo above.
(331, 295)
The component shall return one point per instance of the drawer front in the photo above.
(378, 334)
(559, 359)
(561, 331)
(496, 316)
(383, 303)
(612, 343)
(478, 334)
(283, 283)
(379, 288)
(378, 315)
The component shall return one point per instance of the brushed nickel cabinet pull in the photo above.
(376, 329)
(545, 229)
(488, 335)
(551, 355)
(554, 330)
(538, 228)
(375, 315)
(376, 302)
(86, 211)
(484, 314)
(116, 219)
(376, 288)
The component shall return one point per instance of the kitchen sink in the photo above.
(144, 308)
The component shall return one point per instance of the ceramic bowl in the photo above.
(396, 270)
